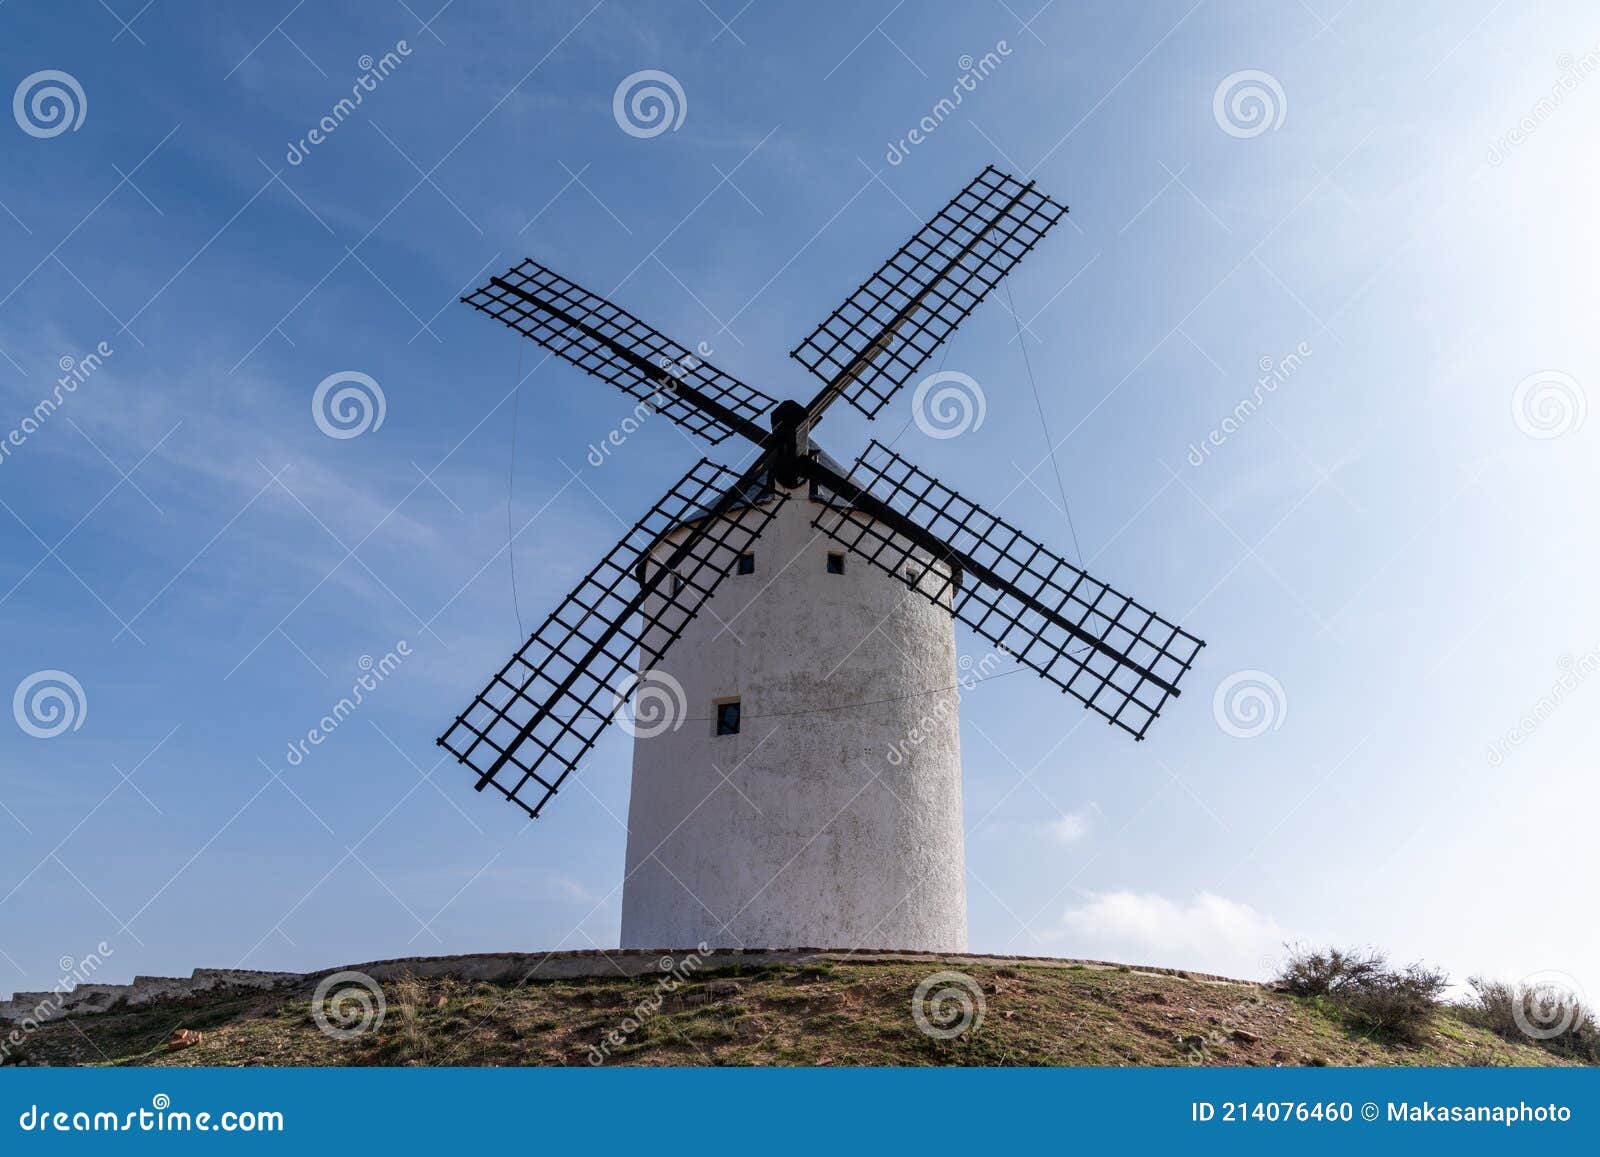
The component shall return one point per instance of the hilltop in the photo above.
(764, 1009)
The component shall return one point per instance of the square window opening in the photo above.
(747, 564)
(727, 716)
(835, 562)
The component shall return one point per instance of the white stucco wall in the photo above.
(816, 838)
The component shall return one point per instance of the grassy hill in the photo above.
(839, 1011)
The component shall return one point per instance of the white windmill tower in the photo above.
(797, 757)
(792, 624)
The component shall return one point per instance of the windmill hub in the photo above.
(807, 791)
(791, 436)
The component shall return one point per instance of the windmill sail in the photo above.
(616, 347)
(542, 712)
(871, 345)
(1099, 646)
(530, 727)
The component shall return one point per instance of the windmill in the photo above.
(846, 852)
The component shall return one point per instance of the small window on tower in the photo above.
(747, 564)
(728, 718)
(835, 563)
(677, 584)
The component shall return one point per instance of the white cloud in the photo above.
(1072, 826)
(572, 890)
(1209, 934)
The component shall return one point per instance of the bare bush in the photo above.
(1399, 1004)
(1308, 972)
(1364, 990)
(1493, 1006)
(1541, 1014)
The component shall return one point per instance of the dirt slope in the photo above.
(843, 1012)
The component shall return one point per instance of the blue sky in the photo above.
(1397, 543)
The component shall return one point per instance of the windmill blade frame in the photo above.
(607, 341)
(540, 715)
(1112, 654)
(870, 346)
(531, 726)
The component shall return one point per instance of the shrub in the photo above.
(1311, 973)
(1399, 1004)
(1493, 1006)
(1541, 1014)
(1364, 990)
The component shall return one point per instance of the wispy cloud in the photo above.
(572, 890)
(1070, 827)
(1209, 932)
